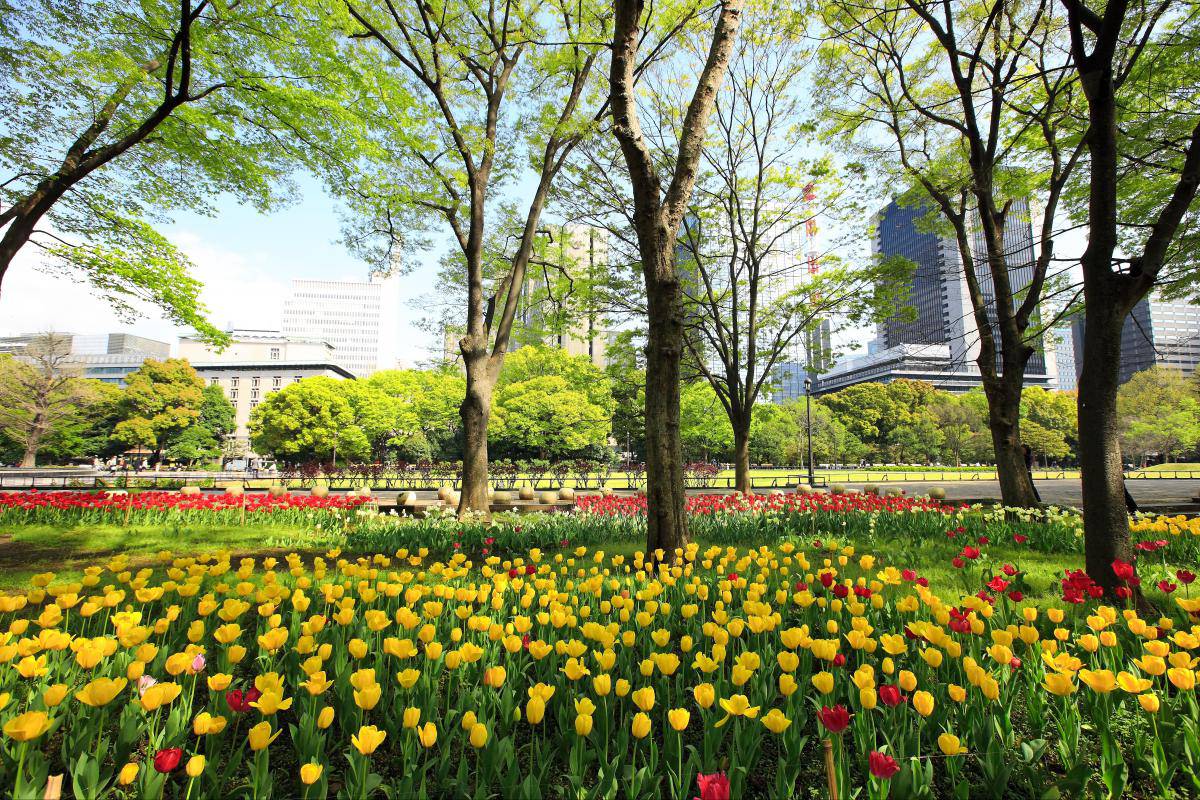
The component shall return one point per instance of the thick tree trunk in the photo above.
(1004, 422)
(476, 410)
(741, 456)
(29, 459)
(666, 495)
(1105, 520)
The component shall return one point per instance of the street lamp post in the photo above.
(808, 427)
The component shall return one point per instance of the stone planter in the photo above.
(526, 493)
(190, 491)
(548, 498)
(566, 494)
(234, 491)
(319, 491)
(277, 490)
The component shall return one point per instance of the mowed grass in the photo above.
(27, 550)
(1170, 466)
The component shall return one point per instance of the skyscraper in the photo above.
(359, 318)
(1157, 332)
(937, 289)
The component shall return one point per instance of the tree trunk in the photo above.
(666, 495)
(1105, 520)
(1004, 422)
(741, 456)
(31, 451)
(476, 410)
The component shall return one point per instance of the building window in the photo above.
(296, 378)
(276, 381)
(274, 353)
(214, 381)
(254, 381)
(233, 394)
(254, 394)
(233, 382)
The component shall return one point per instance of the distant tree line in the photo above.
(50, 414)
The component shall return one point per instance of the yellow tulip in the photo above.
(583, 724)
(311, 773)
(868, 698)
(494, 677)
(271, 702)
(28, 726)
(195, 766)
(1182, 679)
(1101, 681)
(1149, 702)
(128, 774)
(412, 717)
(479, 735)
(1131, 683)
(737, 706)
(823, 681)
(641, 725)
(206, 724)
(427, 734)
(368, 697)
(535, 710)
(644, 698)
(261, 736)
(775, 721)
(957, 693)
(949, 744)
(705, 695)
(679, 718)
(368, 739)
(55, 694)
(159, 695)
(923, 703)
(101, 691)
(325, 718)
(1059, 683)
(219, 682)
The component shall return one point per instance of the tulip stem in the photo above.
(21, 764)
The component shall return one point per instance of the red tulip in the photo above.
(1166, 587)
(713, 787)
(882, 765)
(835, 719)
(890, 695)
(1185, 577)
(168, 760)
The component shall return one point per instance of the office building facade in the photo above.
(257, 363)
(942, 313)
(105, 357)
(1157, 332)
(360, 319)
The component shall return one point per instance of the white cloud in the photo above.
(237, 292)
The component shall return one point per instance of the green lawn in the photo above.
(28, 550)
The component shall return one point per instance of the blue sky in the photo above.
(246, 261)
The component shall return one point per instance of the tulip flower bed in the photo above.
(728, 673)
(70, 509)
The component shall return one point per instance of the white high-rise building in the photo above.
(359, 318)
